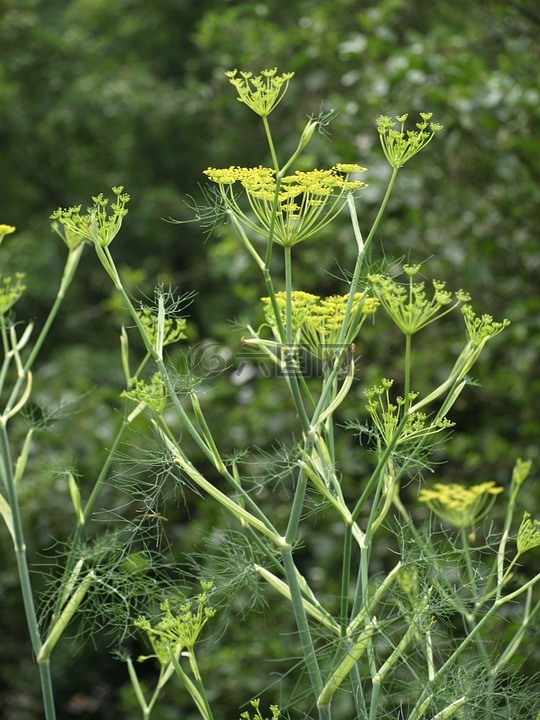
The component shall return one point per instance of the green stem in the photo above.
(407, 388)
(381, 465)
(468, 560)
(197, 693)
(355, 280)
(470, 638)
(470, 617)
(109, 265)
(270, 143)
(105, 469)
(287, 252)
(345, 579)
(7, 356)
(24, 577)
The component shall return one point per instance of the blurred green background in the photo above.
(96, 93)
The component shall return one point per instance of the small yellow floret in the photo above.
(5, 230)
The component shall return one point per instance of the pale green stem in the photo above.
(145, 706)
(381, 465)
(353, 655)
(345, 579)
(379, 676)
(263, 526)
(69, 271)
(364, 617)
(313, 607)
(511, 648)
(498, 567)
(62, 622)
(291, 574)
(245, 240)
(207, 434)
(105, 469)
(468, 560)
(450, 709)
(196, 690)
(310, 654)
(7, 355)
(89, 505)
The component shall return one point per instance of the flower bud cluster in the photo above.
(399, 146)
(262, 93)
(408, 304)
(317, 321)
(96, 227)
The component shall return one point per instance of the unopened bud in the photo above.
(307, 134)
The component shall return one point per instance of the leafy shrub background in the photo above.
(95, 94)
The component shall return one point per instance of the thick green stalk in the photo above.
(310, 654)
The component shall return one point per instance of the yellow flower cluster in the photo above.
(300, 206)
(458, 505)
(317, 321)
(302, 306)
